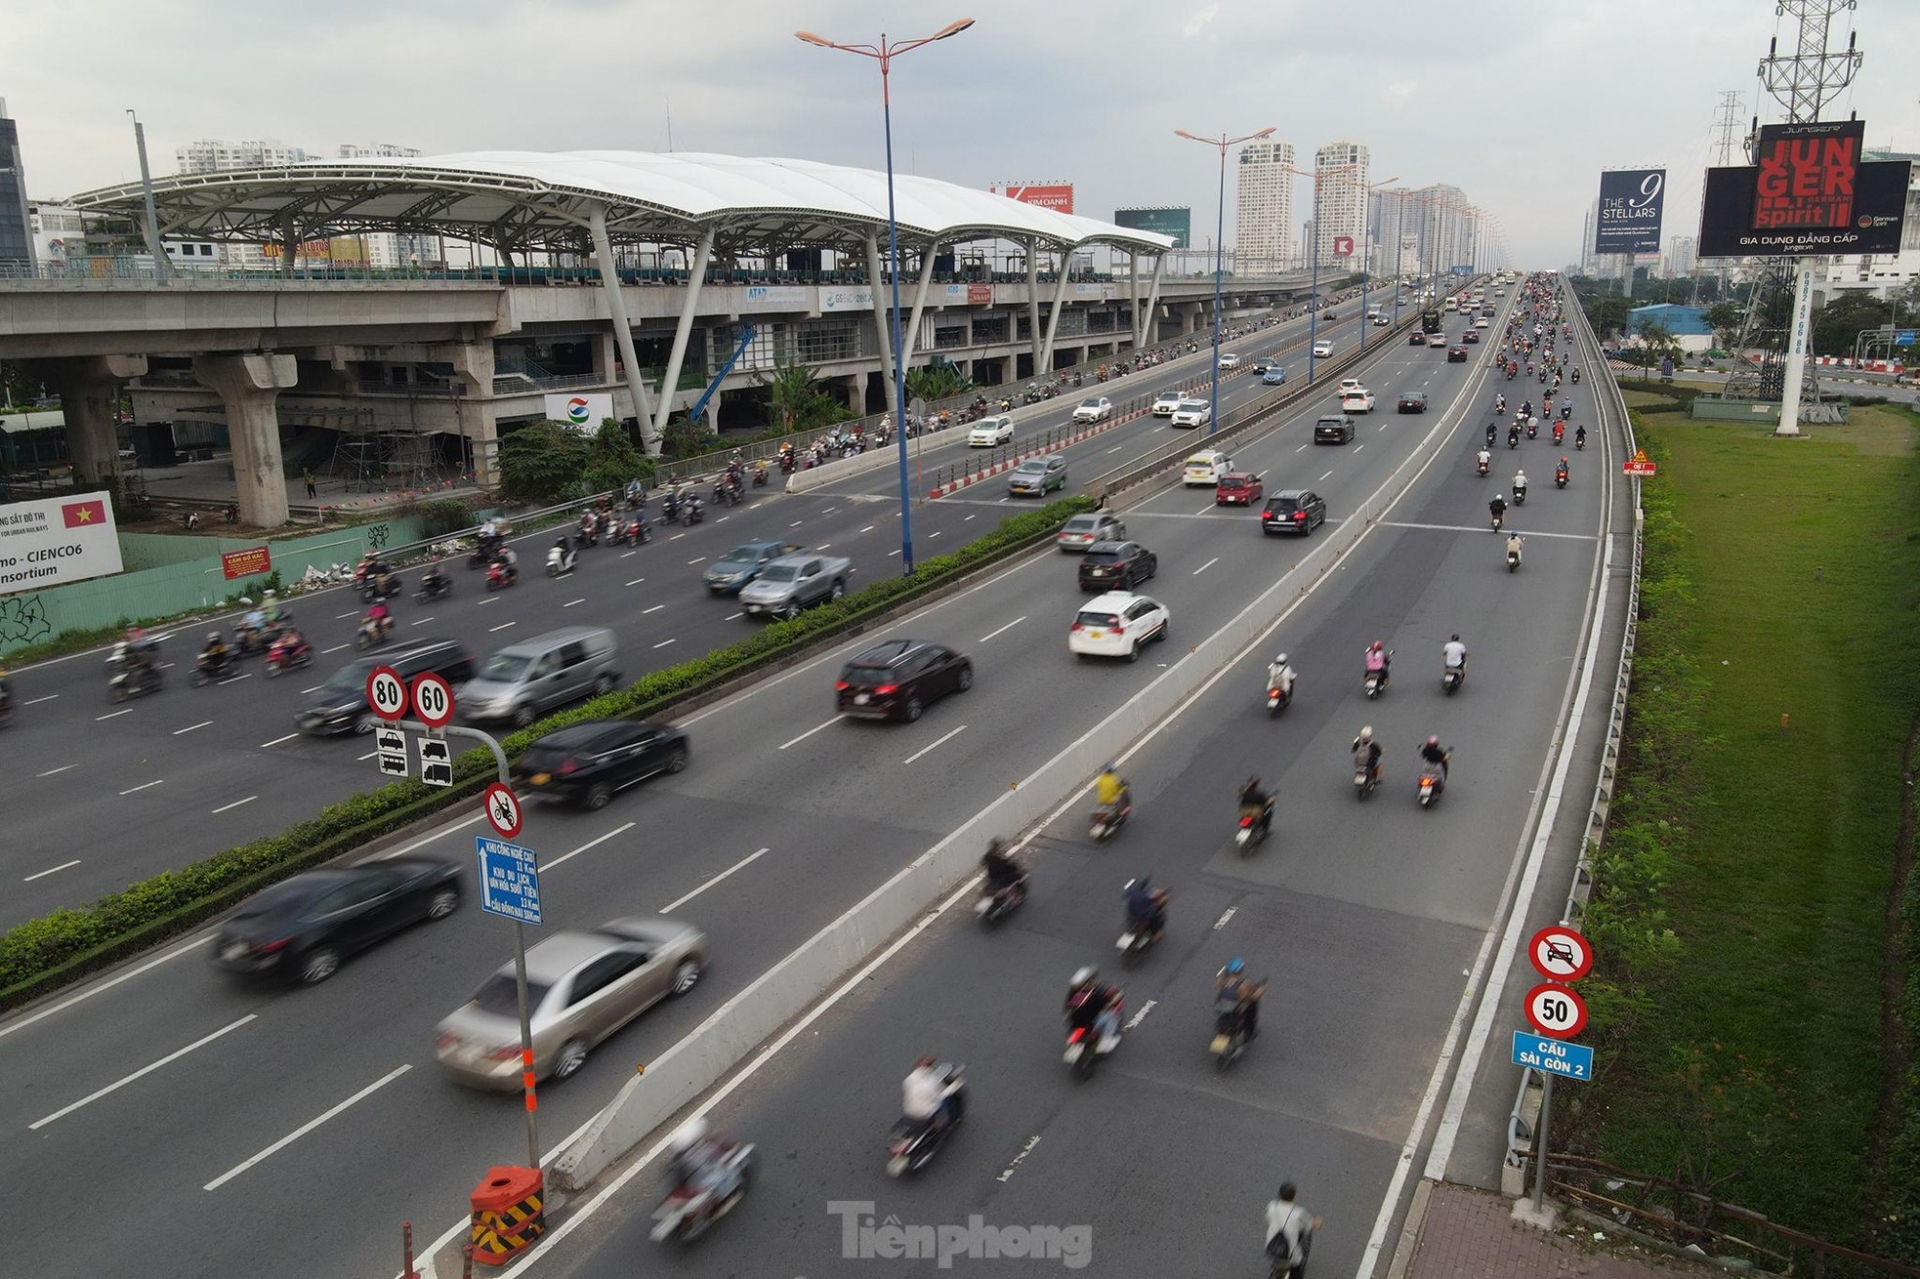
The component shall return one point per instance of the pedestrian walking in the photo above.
(311, 490)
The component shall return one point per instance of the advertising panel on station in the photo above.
(1057, 196)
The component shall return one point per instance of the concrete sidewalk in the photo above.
(1460, 1232)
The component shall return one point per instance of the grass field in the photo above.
(1742, 907)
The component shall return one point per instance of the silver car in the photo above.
(581, 988)
(1038, 475)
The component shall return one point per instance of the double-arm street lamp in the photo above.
(884, 53)
(1220, 230)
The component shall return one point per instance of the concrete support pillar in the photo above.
(908, 338)
(683, 331)
(606, 355)
(1033, 300)
(1189, 314)
(1044, 364)
(249, 385)
(622, 327)
(89, 391)
(1133, 293)
(1146, 322)
(473, 366)
(880, 325)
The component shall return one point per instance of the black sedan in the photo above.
(900, 679)
(1456, 355)
(301, 928)
(1413, 402)
(586, 763)
(1117, 566)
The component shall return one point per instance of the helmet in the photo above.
(1456, 637)
(1107, 767)
(213, 637)
(995, 845)
(926, 1060)
(689, 1134)
(1376, 646)
(1433, 741)
(1366, 734)
(1236, 965)
(1280, 660)
(1085, 976)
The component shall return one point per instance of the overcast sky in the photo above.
(1519, 103)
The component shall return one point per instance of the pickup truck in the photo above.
(742, 564)
(790, 583)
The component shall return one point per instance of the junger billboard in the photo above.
(1630, 201)
(1162, 219)
(1810, 195)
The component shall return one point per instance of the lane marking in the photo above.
(1322, 479)
(63, 768)
(316, 688)
(732, 616)
(306, 1128)
(1204, 567)
(143, 786)
(335, 649)
(189, 728)
(369, 755)
(113, 715)
(422, 621)
(924, 749)
(1140, 1016)
(627, 555)
(571, 603)
(1303, 447)
(742, 864)
(809, 733)
(677, 536)
(655, 609)
(289, 737)
(423, 841)
(42, 874)
(1475, 528)
(869, 528)
(236, 803)
(141, 1073)
(1221, 922)
(491, 599)
(592, 843)
(663, 643)
(824, 545)
(636, 581)
(36, 701)
(1006, 1173)
(698, 560)
(796, 524)
(1359, 448)
(349, 613)
(503, 626)
(109, 984)
(983, 639)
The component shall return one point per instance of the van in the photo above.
(340, 704)
(524, 680)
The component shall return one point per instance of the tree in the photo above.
(1656, 341)
(612, 460)
(936, 382)
(1837, 325)
(543, 463)
(797, 402)
(1725, 318)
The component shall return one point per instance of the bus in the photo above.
(1429, 321)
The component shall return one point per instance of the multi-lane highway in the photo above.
(164, 1110)
(117, 793)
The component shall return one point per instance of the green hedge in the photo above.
(48, 952)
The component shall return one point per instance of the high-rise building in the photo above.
(16, 238)
(1340, 200)
(1263, 208)
(213, 155)
(1682, 256)
(1447, 227)
(375, 151)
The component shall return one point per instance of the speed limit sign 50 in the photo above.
(1556, 1010)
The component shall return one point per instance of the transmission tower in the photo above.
(1726, 119)
(1802, 82)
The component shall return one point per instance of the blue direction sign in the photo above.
(509, 880)
(1903, 338)
(1554, 1056)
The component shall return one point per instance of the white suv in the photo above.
(990, 432)
(1117, 624)
(1093, 409)
(1167, 404)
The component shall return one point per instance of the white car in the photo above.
(1358, 400)
(1117, 624)
(989, 432)
(1228, 360)
(1205, 467)
(1192, 413)
(1167, 404)
(1350, 384)
(1095, 409)
(1480, 323)
(1322, 349)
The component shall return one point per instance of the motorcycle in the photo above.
(1560, 478)
(913, 1143)
(128, 679)
(379, 586)
(695, 512)
(249, 640)
(208, 669)
(1229, 1032)
(283, 656)
(559, 562)
(500, 576)
(1576, 377)
(1480, 465)
(483, 552)
(1107, 819)
(759, 475)
(1255, 823)
(1376, 681)
(1278, 699)
(1137, 939)
(1086, 1047)
(1519, 495)
(371, 632)
(1432, 782)
(1513, 437)
(996, 904)
(1364, 779)
(433, 586)
(690, 1210)
(727, 491)
(1513, 559)
(670, 506)
(588, 531)
(1533, 428)
(1452, 678)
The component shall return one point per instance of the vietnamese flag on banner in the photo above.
(84, 514)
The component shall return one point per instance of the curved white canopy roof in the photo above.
(540, 200)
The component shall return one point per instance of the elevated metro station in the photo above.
(755, 263)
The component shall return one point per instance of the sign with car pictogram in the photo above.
(391, 744)
(1560, 954)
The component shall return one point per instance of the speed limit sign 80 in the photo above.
(432, 700)
(1556, 1010)
(386, 693)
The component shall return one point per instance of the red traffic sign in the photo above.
(1556, 1010)
(386, 693)
(1342, 246)
(1638, 464)
(1559, 953)
(503, 814)
(432, 700)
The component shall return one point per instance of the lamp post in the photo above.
(884, 53)
(1219, 237)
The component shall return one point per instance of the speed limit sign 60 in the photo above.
(1556, 1010)
(432, 700)
(386, 693)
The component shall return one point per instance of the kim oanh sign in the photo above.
(1810, 195)
(56, 540)
(1630, 204)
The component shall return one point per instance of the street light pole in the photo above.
(1219, 247)
(884, 53)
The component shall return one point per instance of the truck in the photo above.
(732, 571)
(790, 583)
(1430, 321)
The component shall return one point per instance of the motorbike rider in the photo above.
(697, 1156)
(380, 620)
(1379, 659)
(509, 561)
(1147, 905)
(1493, 431)
(1280, 675)
(252, 624)
(1367, 753)
(1088, 998)
(1514, 543)
(1004, 874)
(1454, 654)
(1254, 799)
(1519, 484)
(1560, 472)
(1579, 437)
(290, 643)
(216, 654)
(435, 577)
(270, 608)
(142, 652)
(1110, 790)
(1232, 983)
(1289, 1231)
(1500, 402)
(1513, 435)
(923, 1095)
(564, 545)
(1559, 431)
(1483, 461)
(1437, 755)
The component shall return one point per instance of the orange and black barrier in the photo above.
(508, 1217)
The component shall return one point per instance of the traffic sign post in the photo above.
(432, 700)
(1638, 464)
(391, 745)
(503, 809)
(1552, 1056)
(387, 693)
(1560, 954)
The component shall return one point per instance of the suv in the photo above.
(1293, 511)
(340, 704)
(1124, 565)
(535, 675)
(1333, 428)
(897, 679)
(1117, 624)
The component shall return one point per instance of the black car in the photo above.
(1117, 566)
(1456, 355)
(1471, 335)
(1293, 511)
(1416, 338)
(1334, 428)
(1413, 402)
(301, 928)
(340, 704)
(898, 679)
(586, 763)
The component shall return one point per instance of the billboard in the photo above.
(1057, 196)
(1163, 219)
(583, 412)
(1809, 195)
(55, 540)
(1630, 201)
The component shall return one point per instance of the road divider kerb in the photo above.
(1034, 450)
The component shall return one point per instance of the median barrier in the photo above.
(698, 1061)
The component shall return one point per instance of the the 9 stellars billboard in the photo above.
(1810, 194)
(1630, 206)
